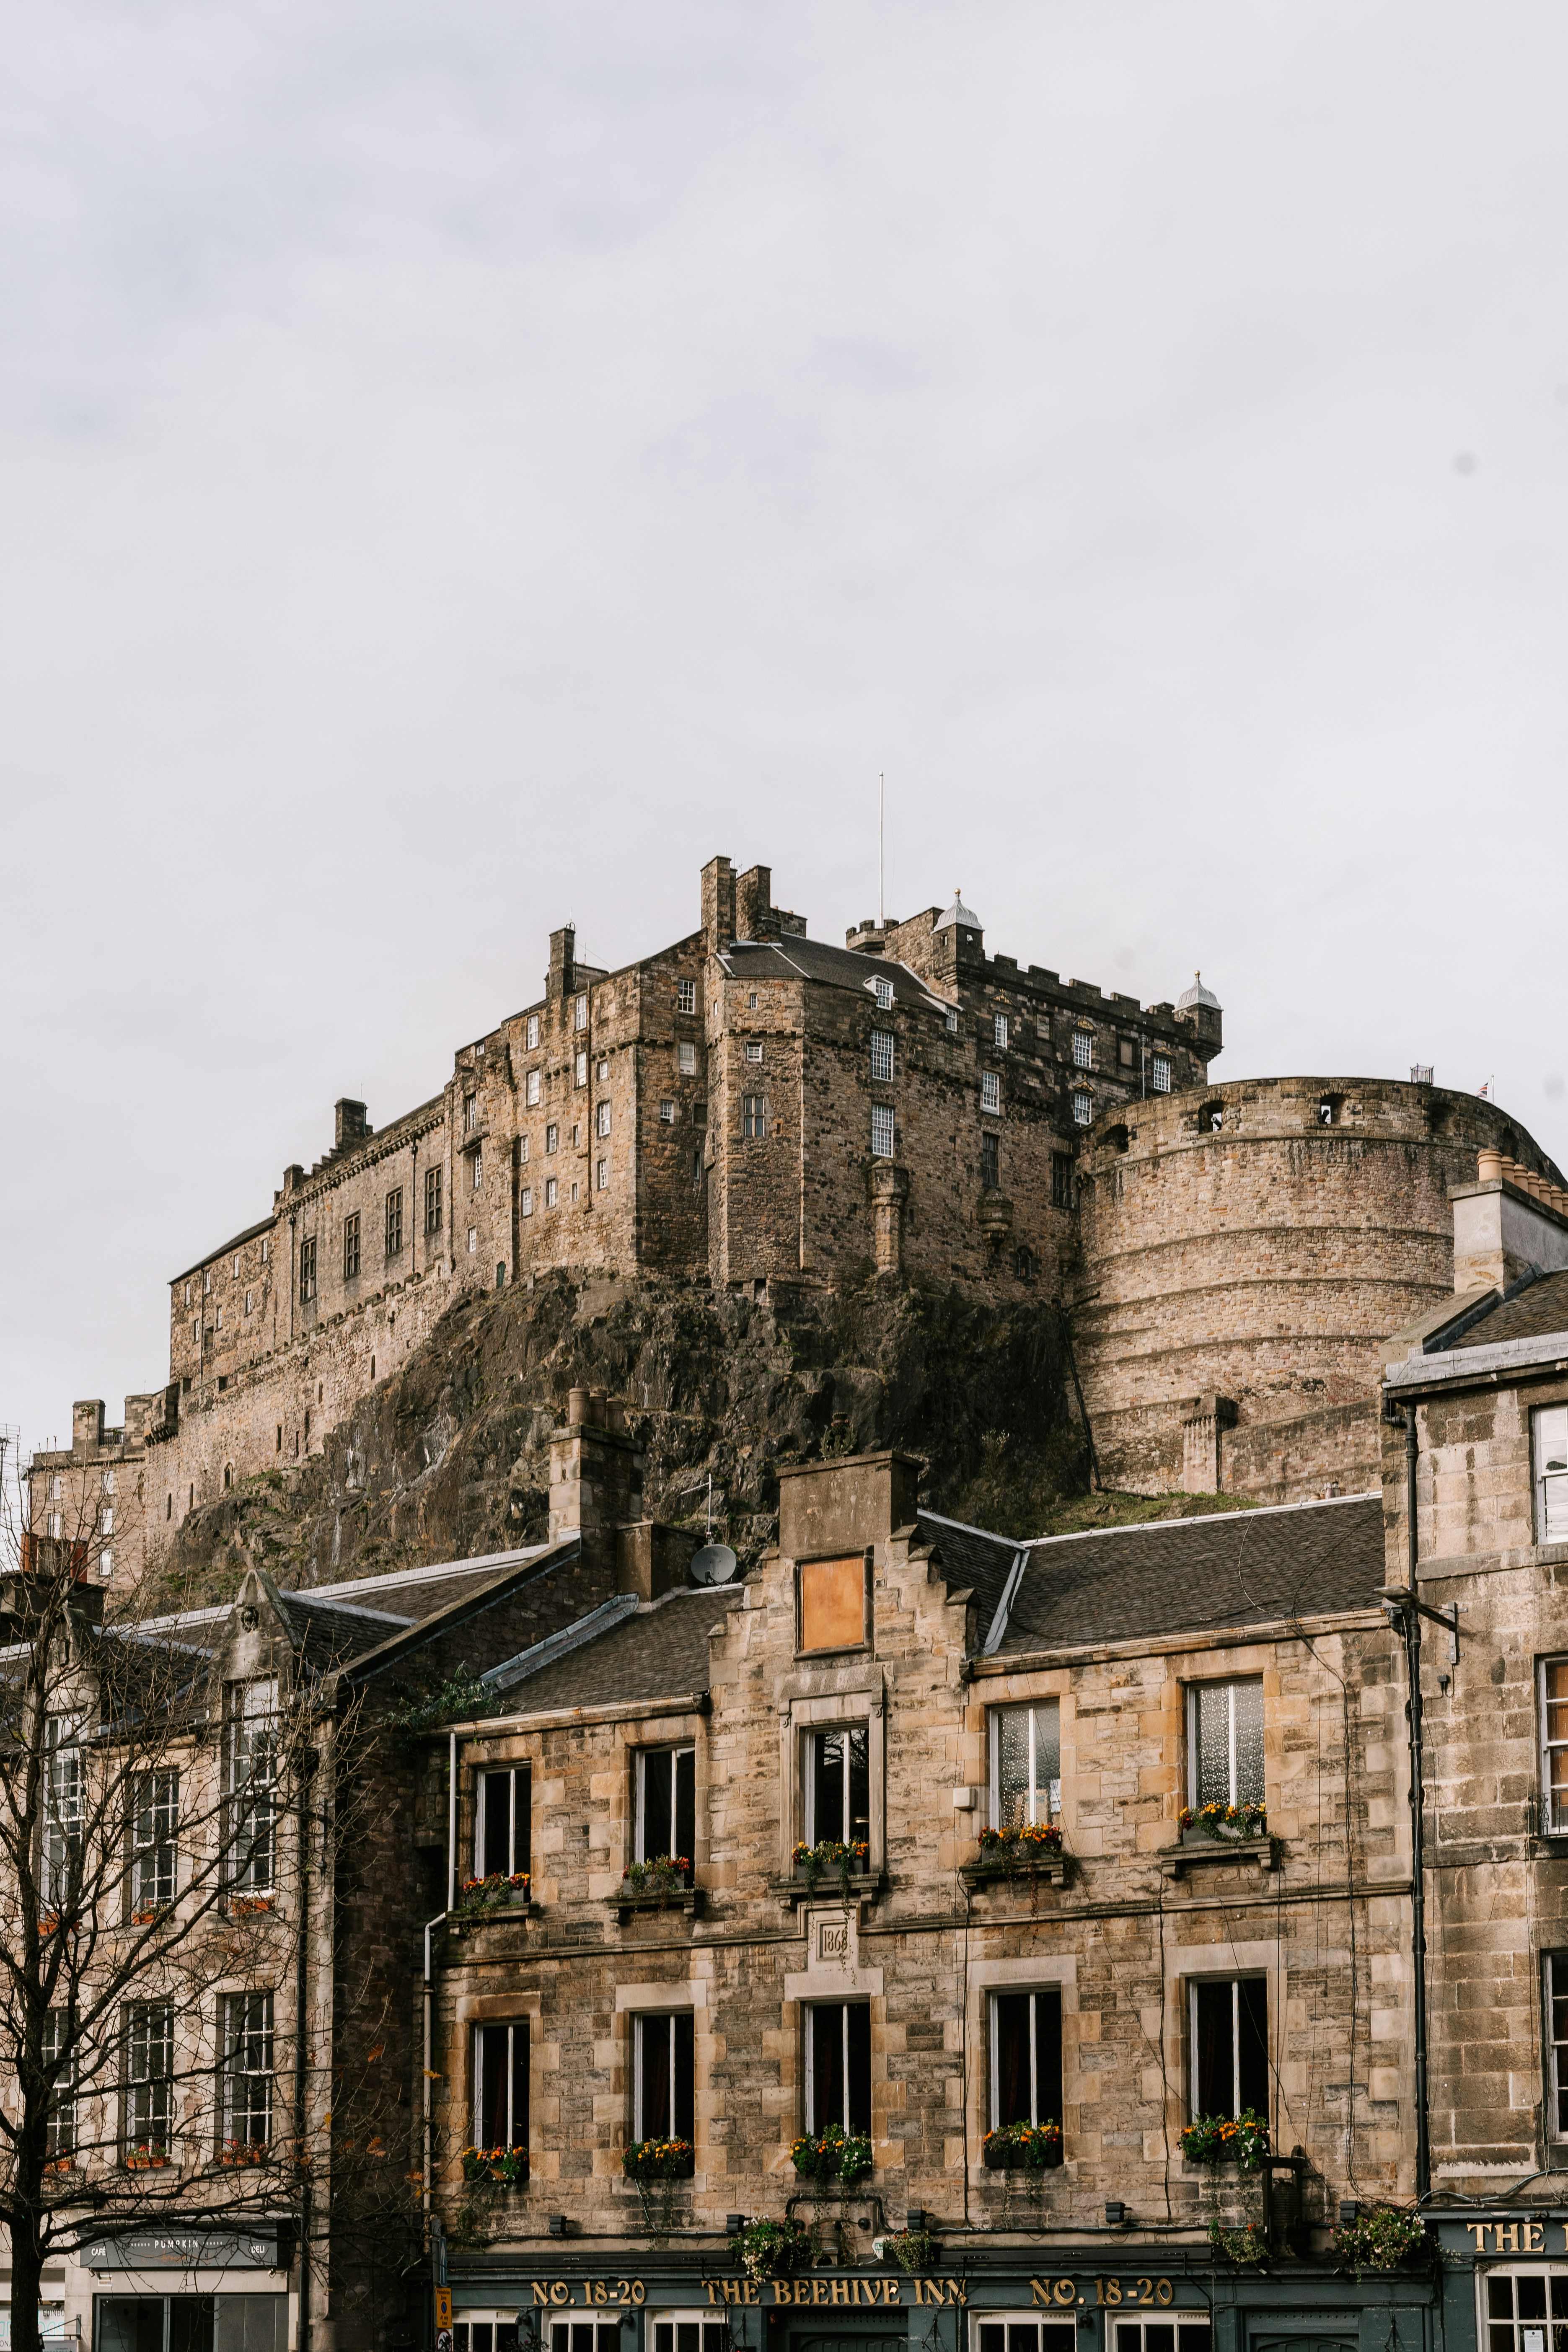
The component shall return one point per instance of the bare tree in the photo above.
(172, 1795)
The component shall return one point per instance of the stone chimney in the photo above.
(754, 916)
(349, 1124)
(1508, 1223)
(86, 1423)
(562, 978)
(718, 905)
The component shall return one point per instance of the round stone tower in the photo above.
(1246, 1248)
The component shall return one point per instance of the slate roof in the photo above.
(970, 1556)
(660, 1651)
(796, 959)
(413, 1594)
(1533, 1313)
(329, 1634)
(1176, 1576)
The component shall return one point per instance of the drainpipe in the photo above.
(301, 1973)
(452, 1824)
(429, 1997)
(1411, 1612)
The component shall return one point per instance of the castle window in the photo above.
(531, 1034)
(753, 1118)
(753, 1051)
(248, 1302)
(752, 1002)
(663, 2103)
(1027, 2058)
(666, 1112)
(552, 1138)
(350, 1246)
(604, 1073)
(1082, 1107)
(952, 1020)
(266, 1252)
(686, 996)
(527, 1201)
(552, 1191)
(1083, 1049)
(990, 1161)
(882, 1056)
(838, 2066)
(206, 1282)
(990, 1091)
(530, 1090)
(580, 1014)
(394, 1222)
(234, 1270)
(307, 1272)
(602, 1120)
(580, 1070)
(522, 1151)
(470, 1113)
(1160, 1076)
(601, 1174)
(697, 1168)
(1023, 1265)
(686, 1058)
(107, 1482)
(229, 1473)
(473, 1240)
(1329, 1111)
(57, 1487)
(881, 1130)
(1124, 1052)
(1211, 1119)
(1061, 1180)
(999, 1031)
(884, 989)
(574, 1192)
(106, 1520)
(477, 1169)
(187, 1294)
(218, 1320)
(433, 1199)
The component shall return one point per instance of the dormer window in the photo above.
(884, 989)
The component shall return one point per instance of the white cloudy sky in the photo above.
(463, 466)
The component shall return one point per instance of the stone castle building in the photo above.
(752, 1107)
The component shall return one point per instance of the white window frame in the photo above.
(528, 1200)
(686, 1058)
(991, 1093)
(1251, 1976)
(473, 1240)
(580, 1013)
(686, 996)
(484, 1790)
(666, 1112)
(1231, 1683)
(881, 1057)
(883, 988)
(530, 1090)
(950, 1022)
(1530, 2335)
(602, 1175)
(602, 1119)
(1160, 1074)
(1550, 2045)
(251, 1781)
(994, 1995)
(1549, 1746)
(580, 1070)
(1549, 1488)
(753, 1049)
(883, 1131)
(816, 2124)
(1082, 1106)
(1000, 1031)
(242, 2037)
(1083, 1049)
(551, 1192)
(530, 1036)
(660, 2021)
(1032, 1707)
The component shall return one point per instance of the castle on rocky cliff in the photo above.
(752, 1107)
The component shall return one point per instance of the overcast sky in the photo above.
(465, 465)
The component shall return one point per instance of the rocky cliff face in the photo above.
(449, 1458)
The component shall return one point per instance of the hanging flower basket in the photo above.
(912, 2250)
(1235, 1823)
(658, 2159)
(770, 2250)
(1006, 1852)
(1214, 2140)
(503, 2167)
(832, 2157)
(1381, 2238)
(1022, 2148)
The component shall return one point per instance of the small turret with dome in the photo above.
(959, 918)
(1202, 1011)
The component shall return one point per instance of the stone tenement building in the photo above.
(752, 1107)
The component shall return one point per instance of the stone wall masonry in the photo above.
(1264, 1262)
(1121, 1940)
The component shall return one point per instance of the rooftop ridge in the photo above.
(1200, 1518)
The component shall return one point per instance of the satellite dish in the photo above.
(714, 1564)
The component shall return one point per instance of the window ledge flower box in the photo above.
(515, 1911)
(232, 2153)
(146, 2159)
(688, 1900)
(645, 2161)
(1199, 1852)
(252, 1906)
(1023, 2147)
(496, 2167)
(861, 1886)
(987, 1877)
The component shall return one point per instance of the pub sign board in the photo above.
(855, 2291)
